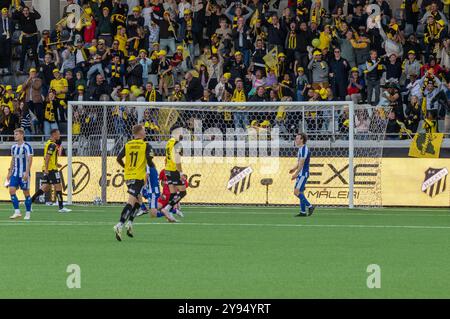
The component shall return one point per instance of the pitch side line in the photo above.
(56, 223)
(256, 212)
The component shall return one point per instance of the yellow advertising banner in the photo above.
(388, 181)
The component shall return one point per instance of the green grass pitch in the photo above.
(227, 252)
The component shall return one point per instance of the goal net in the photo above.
(233, 153)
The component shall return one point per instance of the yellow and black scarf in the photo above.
(150, 96)
(177, 96)
(115, 71)
(238, 96)
(292, 40)
(49, 113)
(189, 37)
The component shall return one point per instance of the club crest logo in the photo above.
(435, 181)
(239, 179)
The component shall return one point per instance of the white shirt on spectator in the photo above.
(80, 57)
(147, 14)
(181, 7)
(132, 4)
(415, 89)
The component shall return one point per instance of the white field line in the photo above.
(57, 223)
(258, 208)
(293, 210)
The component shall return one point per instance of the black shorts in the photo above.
(174, 178)
(135, 187)
(53, 177)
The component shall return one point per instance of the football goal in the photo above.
(233, 153)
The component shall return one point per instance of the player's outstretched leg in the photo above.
(36, 195)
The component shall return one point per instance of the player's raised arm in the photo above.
(120, 157)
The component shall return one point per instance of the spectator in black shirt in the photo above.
(6, 31)
(194, 88)
(99, 88)
(8, 121)
(134, 72)
(46, 72)
(339, 68)
(276, 33)
(393, 127)
(27, 22)
(134, 22)
(393, 68)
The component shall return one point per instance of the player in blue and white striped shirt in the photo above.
(150, 191)
(19, 173)
(301, 173)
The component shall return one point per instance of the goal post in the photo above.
(220, 142)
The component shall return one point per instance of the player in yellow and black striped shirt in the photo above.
(138, 154)
(50, 169)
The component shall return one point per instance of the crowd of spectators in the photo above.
(229, 51)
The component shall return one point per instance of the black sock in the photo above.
(60, 199)
(134, 211)
(36, 195)
(125, 213)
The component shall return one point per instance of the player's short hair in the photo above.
(19, 130)
(54, 131)
(137, 128)
(303, 136)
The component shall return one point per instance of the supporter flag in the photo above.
(426, 145)
(185, 51)
(271, 59)
(84, 21)
(166, 119)
(63, 22)
(254, 18)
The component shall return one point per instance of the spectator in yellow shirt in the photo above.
(59, 85)
(122, 38)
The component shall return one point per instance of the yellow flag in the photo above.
(63, 22)
(427, 145)
(166, 119)
(271, 59)
(254, 18)
(84, 21)
(186, 53)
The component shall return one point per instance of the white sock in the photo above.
(17, 211)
